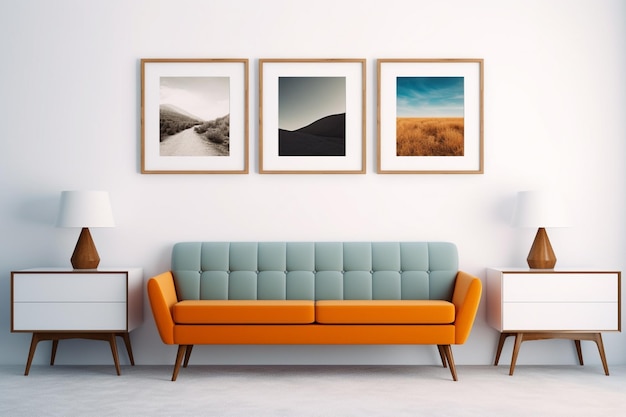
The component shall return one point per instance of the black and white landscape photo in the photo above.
(311, 116)
(194, 116)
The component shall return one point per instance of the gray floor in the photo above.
(312, 391)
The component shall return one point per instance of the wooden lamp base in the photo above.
(541, 255)
(85, 255)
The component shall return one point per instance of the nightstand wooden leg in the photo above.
(116, 358)
(598, 339)
(579, 352)
(519, 338)
(576, 337)
(503, 337)
(31, 353)
(56, 336)
(129, 349)
(53, 353)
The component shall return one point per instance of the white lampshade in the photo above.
(85, 209)
(540, 209)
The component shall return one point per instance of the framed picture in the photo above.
(194, 116)
(312, 116)
(430, 116)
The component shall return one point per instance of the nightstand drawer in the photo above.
(560, 316)
(561, 287)
(69, 316)
(75, 287)
(543, 300)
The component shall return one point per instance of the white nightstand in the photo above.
(62, 303)
(536, 304)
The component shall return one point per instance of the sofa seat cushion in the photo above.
(384, 312)
(244, 312)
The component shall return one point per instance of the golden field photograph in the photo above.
(429, 136)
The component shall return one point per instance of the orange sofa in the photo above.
(307, 293)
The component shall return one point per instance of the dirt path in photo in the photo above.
(188, 143)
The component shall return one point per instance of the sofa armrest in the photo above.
(162, 295)
(466, 298)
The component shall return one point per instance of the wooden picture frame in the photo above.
(194, 116)
(312, 116)
(430, 116)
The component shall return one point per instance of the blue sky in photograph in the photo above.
(429, 97)
(303, 100)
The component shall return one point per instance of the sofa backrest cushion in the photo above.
(314, 270)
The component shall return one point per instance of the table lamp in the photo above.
(540, 209)
(85, 209)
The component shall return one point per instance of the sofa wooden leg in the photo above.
(182, 349)
(187, 355)
(450, 359)
(442, 354)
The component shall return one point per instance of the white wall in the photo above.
(70, 119)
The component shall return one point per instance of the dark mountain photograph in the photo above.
(324, 137)
(312, 116)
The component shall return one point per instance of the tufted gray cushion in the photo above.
(314, 270)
